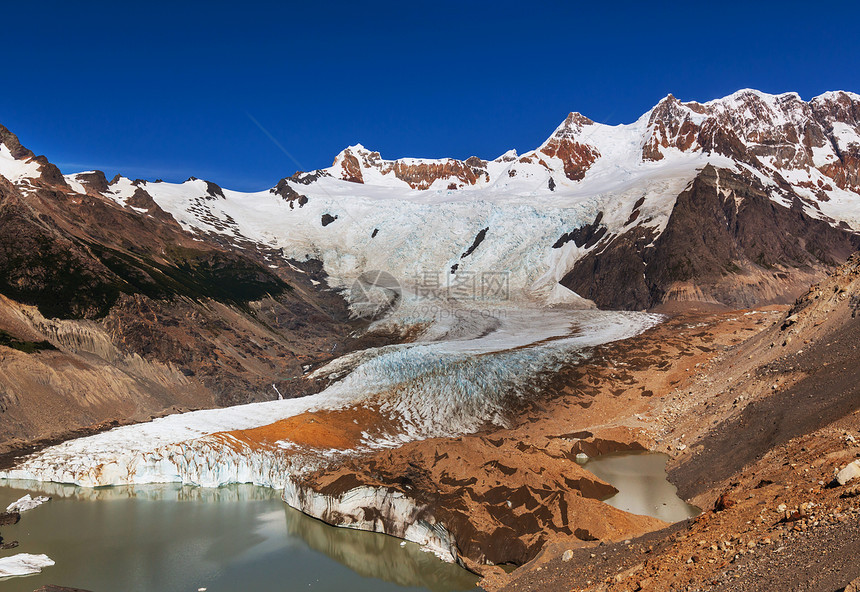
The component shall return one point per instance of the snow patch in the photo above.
(17, 170)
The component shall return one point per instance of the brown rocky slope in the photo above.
(756, 434)
(727, 242)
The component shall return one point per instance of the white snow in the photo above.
(833, 95)
(846, 136)
(17, 170)
(23, 564)
(77, 186)
(426, 232)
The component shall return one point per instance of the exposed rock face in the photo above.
(671, 126)
(421, 175)
(417, 174)
(95, 182)
(11, 141)
(773, 134)
(726, 242)
(782, 132)
(576, 157)
(285, 190)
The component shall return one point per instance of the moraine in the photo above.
(464, 375)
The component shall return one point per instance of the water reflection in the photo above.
(170, 537)
(379, 556)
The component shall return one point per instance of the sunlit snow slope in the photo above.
(520, 214)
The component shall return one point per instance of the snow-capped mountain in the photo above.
(737, 201)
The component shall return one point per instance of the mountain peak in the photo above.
(572, 125)
(10, 140)
(509, 156)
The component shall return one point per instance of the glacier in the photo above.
(448, 386)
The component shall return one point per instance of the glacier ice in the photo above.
(463, 372)
(23, 564)
(459, 378)
(27, 503)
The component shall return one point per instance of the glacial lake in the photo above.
(174, 538)
(640, 478)
(180, 538)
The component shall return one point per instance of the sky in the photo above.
(245, 93)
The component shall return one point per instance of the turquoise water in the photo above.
(173, 538)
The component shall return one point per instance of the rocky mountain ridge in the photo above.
(775, 134)
(112, 314)
(734, 202)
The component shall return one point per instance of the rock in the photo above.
(853, 586)
(724, 502)
(567, 556)
(52, 588)
(849, 493)
(852, 471)
(8, 518)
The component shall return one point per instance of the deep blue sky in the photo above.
(163, 90)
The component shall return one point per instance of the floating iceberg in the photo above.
(23, 564)
(27, 503)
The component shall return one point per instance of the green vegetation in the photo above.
(85, 280)
(57, 278)
(28, 347)
(192, 273)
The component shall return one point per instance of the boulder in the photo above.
(850, 472)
